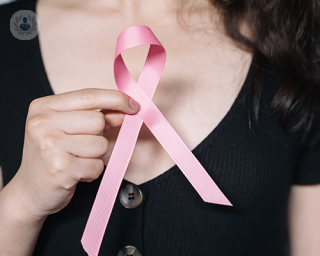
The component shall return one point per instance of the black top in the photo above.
(253, 167)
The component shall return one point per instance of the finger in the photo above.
(86, 170)
(92, 98)
(113, 118)
(85, 146)
(88, 122)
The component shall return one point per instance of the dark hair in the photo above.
(285, 33)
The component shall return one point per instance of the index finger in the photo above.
(89, 99)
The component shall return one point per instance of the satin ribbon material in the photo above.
(142, 91)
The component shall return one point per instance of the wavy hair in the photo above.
(285, 33)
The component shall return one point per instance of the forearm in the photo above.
(19, 230)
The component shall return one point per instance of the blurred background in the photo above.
(5, 1)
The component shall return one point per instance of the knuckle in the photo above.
(91, 171)
(99, 166)
(104, 145)
(88, 96)
(36, 124)
(35, 104)
(58, 165)
(98, 144)
(67, 186)
(47, 144)
(39, 103)
(99, 120)
(120, 100)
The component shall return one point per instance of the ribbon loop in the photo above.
(153, 67)
(142, 91)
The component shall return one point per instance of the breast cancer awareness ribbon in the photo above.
(142, 91)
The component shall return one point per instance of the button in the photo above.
(130, 196)
(129, 251)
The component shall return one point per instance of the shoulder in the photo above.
(288, 96)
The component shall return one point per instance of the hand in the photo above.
(64, 144)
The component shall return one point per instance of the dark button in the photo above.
(129, 251)
(130, 196)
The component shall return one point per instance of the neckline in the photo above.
(174, 169)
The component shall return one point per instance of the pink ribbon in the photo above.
(142, 91)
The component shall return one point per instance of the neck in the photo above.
(140, 10)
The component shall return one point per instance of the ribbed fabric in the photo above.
(253, 167)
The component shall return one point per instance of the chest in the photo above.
(200, 82)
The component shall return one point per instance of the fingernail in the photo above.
(134, 105)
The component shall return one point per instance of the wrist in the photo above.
(14, 207)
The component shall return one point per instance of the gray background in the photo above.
(5, 1)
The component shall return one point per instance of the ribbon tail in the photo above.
(187, 162)
(174, 145)
(101, 210)
(180, 153)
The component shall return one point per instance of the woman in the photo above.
(240, 87)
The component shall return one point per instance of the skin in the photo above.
(59, 151)
(182, 94)
(61, 155)
(304, 221)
